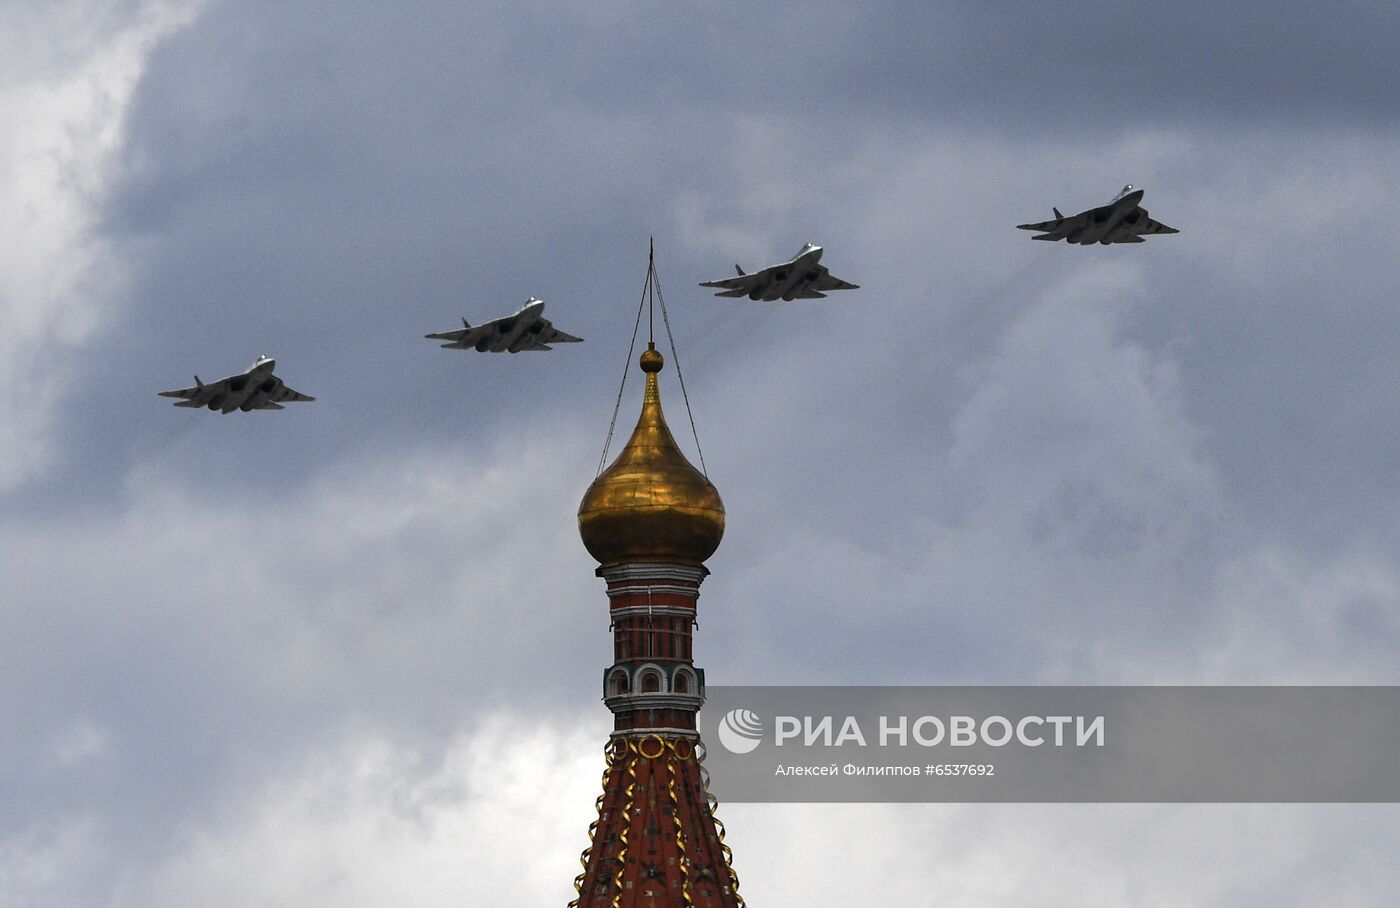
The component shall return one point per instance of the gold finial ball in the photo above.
(651, 504)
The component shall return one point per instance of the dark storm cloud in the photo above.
(1018, 67)
(327, 186)
(999, 65)
(1131, 64)
(328, 190)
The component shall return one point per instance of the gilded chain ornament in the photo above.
(683, 860)
(610, 759)
(713, 802)
(626, 819)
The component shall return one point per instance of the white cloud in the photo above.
(63, 116)
(497, 817)
(971, 856)
(1072, 509)
(167, 658)
(1078, 433)
(1286, 618)
(401, 568)
(47, 865)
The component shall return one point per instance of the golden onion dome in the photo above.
(650, 504)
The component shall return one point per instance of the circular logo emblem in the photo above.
(740, 731)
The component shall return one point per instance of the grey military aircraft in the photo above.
(800, 278)
(527, 329)
(255, 389)
(1122, 220)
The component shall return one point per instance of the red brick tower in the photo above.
(651, 519)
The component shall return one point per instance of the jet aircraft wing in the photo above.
(742, 282)
(1153, 226)
(463, 337)
(199, 395)
(540, 335)
(742, 285)
(825, 281)
(1057, 228)
(282, 393)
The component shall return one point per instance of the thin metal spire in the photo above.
(651, 293)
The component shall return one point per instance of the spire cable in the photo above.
(656, 281)
(626, 367)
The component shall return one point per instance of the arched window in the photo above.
(651, 682)
(620, 684)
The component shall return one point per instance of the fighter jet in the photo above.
(255, 389)
(1122, 220)
(800, 278)
(527, 329)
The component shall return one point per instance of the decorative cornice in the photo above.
(656, 730)
(653, 570)
(625, 703)
(656, 589)
(672, 611)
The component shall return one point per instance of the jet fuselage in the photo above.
(525, 329)
(247, 390)
(1110, 222)
(801, 277)
(786, 279)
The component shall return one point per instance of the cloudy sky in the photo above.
(349, 654)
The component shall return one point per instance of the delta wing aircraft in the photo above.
(255, 389)
(802, 278)
(527, 329)
(1122, 220)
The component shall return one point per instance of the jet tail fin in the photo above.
(198, 384)
(1057, 213)
(740, 270)
(465, 323)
